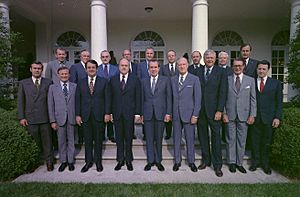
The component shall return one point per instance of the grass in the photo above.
(187, 190)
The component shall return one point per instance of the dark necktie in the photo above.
(106, 71)
(65, 91)
(91, 86)
(61, 64)
(238, 84)
(262, 85)
(172, 70)
(123, 82)
(207, 74)
(153, 85)
(180, 83)
(37, 84)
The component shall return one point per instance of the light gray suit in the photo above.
(186, 103)
(62, 112)
(239, 106)
(51, 69)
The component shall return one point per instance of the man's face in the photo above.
(196, 58)
(105, 57)
(127, 55)
(153, 69)
(209, 59)
(238, 67)
(171, 57)
(36, 70)
(60, 55)
(124, 66)
(85, 56)
(149, 54)
(63, 75)
(223, 59)
(91, 69)
(262, 70)
(182, 65)
(245, 52)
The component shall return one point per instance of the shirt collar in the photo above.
(33, 79)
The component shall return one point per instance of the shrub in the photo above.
(18, 152)
(285, 155)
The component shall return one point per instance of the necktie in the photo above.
(207, 73)
(172, 70)
(65, 91)
(61, 64)
(238, 83)
(91, 86)
(262, 85)
(153, 85)
(106, 70)
(180, 82)
(37, 84)
(123, 82)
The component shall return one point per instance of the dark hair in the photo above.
(149, 48)
(264, 62)
(244, 45)
(154, 61)
(61, 49)
(92, 62)
(62, 68)
(239, 59)
(37, 62)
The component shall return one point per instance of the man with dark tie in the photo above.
(143, 71)
(214, 91)
(91, 109)
(33, 111)
(196, 58)
(61, 107)
(125, 96)
(156, 109)
(251, 64)
(269, 114)
(186, 91)
(132, 66)
(107, 70)
(169, 70)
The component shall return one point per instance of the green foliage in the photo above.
(18, 152)
(286, 146)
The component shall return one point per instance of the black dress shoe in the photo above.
(148, 167)
(99, 167)
(267, 170)
(129, 166)
(50, 166)
(160, 167)
(112, 139)
(176, 166)
(71, 167)
(86, 167)
(219, 172)
(167, 137)
(232, 168)
(193, 167)
(119, 165)
(62, 167)
(134, 137)
(253, 168)
(241, 169)
(202, 166)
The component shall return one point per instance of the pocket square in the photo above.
(189, 86)
(247, 87)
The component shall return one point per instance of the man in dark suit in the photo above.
(132, 66)
(156, 109)
(107, 71)
(169, 70)
(143, 71)
(125, 95)
(196, 58)
(269, 112)
(61, 107)
(214, 88)
(91, 109)
(186, 91)
(251, 64)
(33, 110)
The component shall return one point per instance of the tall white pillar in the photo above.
(98, 28)
(295, 8)
(200, 25)
(5, 13)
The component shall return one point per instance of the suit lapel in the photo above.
(231, 84)
(71, 90)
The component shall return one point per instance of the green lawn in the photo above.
(187, 190)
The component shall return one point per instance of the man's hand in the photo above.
(137, 119)
(225, 118)
(78, 120)
(275, 123)
(167, 118)
(218, 115)
(250, 120)
(107, 118)
(24, 122)
(54, 125)
(194, 120)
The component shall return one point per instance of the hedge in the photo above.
(18, 151)
(285, 155)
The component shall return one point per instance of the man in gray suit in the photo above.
(156, 109)
(61, 106)
(33, 110)
(52, 66)
(186, 92)
(240, 111)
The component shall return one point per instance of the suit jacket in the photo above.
(250, 68)
(113, 70)
(193, 70)
(160, 103)
(60, 111)
(187, 100)
(125, 102)
(98, 103)
(165, 70)
(228, 70)
(241, 104)
(269, 102)
(134, 68)
(214, 90)
(32, 103)
(77, 72)
(143, 70)
(51, 70)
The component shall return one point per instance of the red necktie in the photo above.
(262, 85)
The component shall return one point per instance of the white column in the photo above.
(98, 28)
(200, 25)
(295, 8)
(5, 13)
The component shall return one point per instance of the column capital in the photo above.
(199, 2)
(99, 3)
